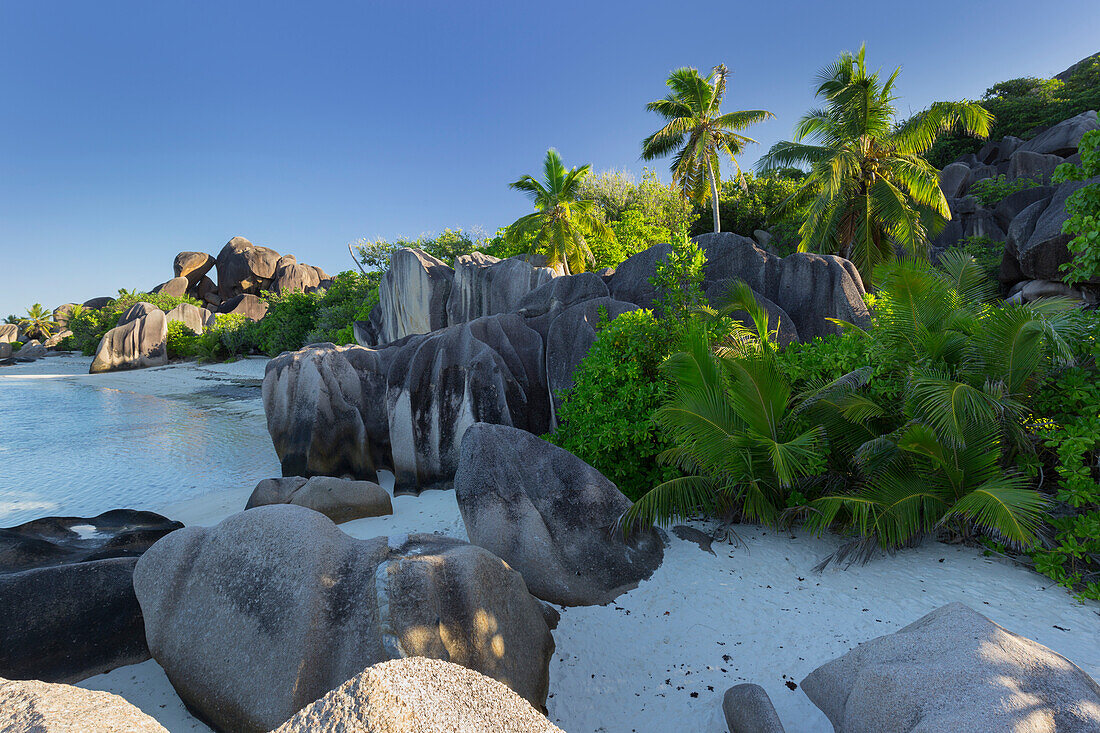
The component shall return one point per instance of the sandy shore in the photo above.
(660, 657)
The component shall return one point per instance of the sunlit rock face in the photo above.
(412, 296)
(142, 341)
(257, 617)
(404, 407)
(485, 285)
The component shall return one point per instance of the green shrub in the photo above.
(89, 326)
(1083, 207)
(679, 279)
(16, 345)
(992, 191)
(181, 341)
(350, 298)
(986, 251)
(606, 418)
(290, 317)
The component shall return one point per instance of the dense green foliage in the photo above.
(986, 251)
(89, 325)
(697, 133)
(659, 205)
(1023, 107)
(871, 189)
(755, 202)
(992, 191)
(1083, 207)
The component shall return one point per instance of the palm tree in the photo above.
(562, 219)
(38, 323)
(698, 132)
(873, 189)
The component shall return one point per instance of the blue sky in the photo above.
(130, 131)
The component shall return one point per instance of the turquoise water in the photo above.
(73, 449)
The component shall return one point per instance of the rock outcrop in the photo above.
(551, 516)
(413, 294)
(1035, 236)
(263, 614)
(245, 268)
(9, 332)
(142, 342)
(68, 581)
(247, 305)
(418, 695)
(485, 285)
(193, 266)
(748, 709)
(954, 669)
(195, 318)
(40, 707)
(341, 500)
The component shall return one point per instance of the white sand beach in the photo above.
(660, 657)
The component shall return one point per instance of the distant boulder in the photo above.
(247, 305)
(193, 266)
(341, 500)
(1035, 236)
(97, 303)
(176, 287)
(245, 268)
(136, 311)
(137, 344)
(1062, 139)
(293, 277)
(31, 351)
(195, 318)
(9, 333)
(1035, 166)
(551, 516)
(954, 179)
(954, 670)
(62, 313)
(55, 340)
(311, 607)
(420, 695)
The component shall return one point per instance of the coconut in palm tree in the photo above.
(698, 133)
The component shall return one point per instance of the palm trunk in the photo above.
(714, 196)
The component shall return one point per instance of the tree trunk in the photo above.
(714, 196)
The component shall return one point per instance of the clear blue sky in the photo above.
(132, 130)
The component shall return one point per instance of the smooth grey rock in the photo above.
(62, 313)
(263, 614)
(550, 515)
(136, 345)
(562, 292)
(413, 294)
(244, 268)
(420, 695)
(193, 317)
(954, 179)
(485, 285)
(1045, 249)
(778, 320)
(9, 332)
(53, 341)
(6, 351)
(1022, 227)
(1062, 139)
(1036, 289)
(31, 706)
(136, 311)
(341, 500)
(748, 709)
(97, 303)
(248, 305)
(176, 287)
(954, 670)
(31, 351)
(1036, 166)
(1010, 206)
(764, 239)
(193, 266)
(292, 277)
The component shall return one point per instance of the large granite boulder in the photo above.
(193, 266)
(41, 707)
(136, 311)
(293, 277)
(1035, 236)
(1036, 166)
(562, 292)
(413, 294)
(1062, 139)
(62, 314)
(32, 350)
(954, 180)
(810, 288)
(1010, 206)
(68, 581)
(404, 407)
(420, 695)
(263, 614)
(341, 500)
(551, 516)
(6, 352)
(245, 268)
(97, 303)
(248, 305)
(176, 287)
(55, 340)
(485, 285)
(780, 324)
(137, 344)
(9, 332)
(195, 318)
(954, 670)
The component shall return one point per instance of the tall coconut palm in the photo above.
(873, 189)
(562, 219)
(698, 133)
(38, 323)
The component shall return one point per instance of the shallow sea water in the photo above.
(73, 449)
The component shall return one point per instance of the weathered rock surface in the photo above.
(420, 695)
(31, 351)
(1036, 166)
(68, 581)
(550, 515)
(195, 318)
(247, 305)
(405, 406)
(55, 340)
(954, 669)
(1063, 138)
(485, 285)
(748, 709)
(193, 266)
(136, 311)
(413, 294)
(139, 343)
(41, 707)
(9, 332)
(245, 268)
(97, 303)
(258, 617)
(954, 180)
(341, 500)
(176, 287)
(1035, 236)
(779, 322)
(6, 353)
(292, 277)
(62, 313)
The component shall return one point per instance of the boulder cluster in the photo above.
(497, 341)
(1027, 222)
